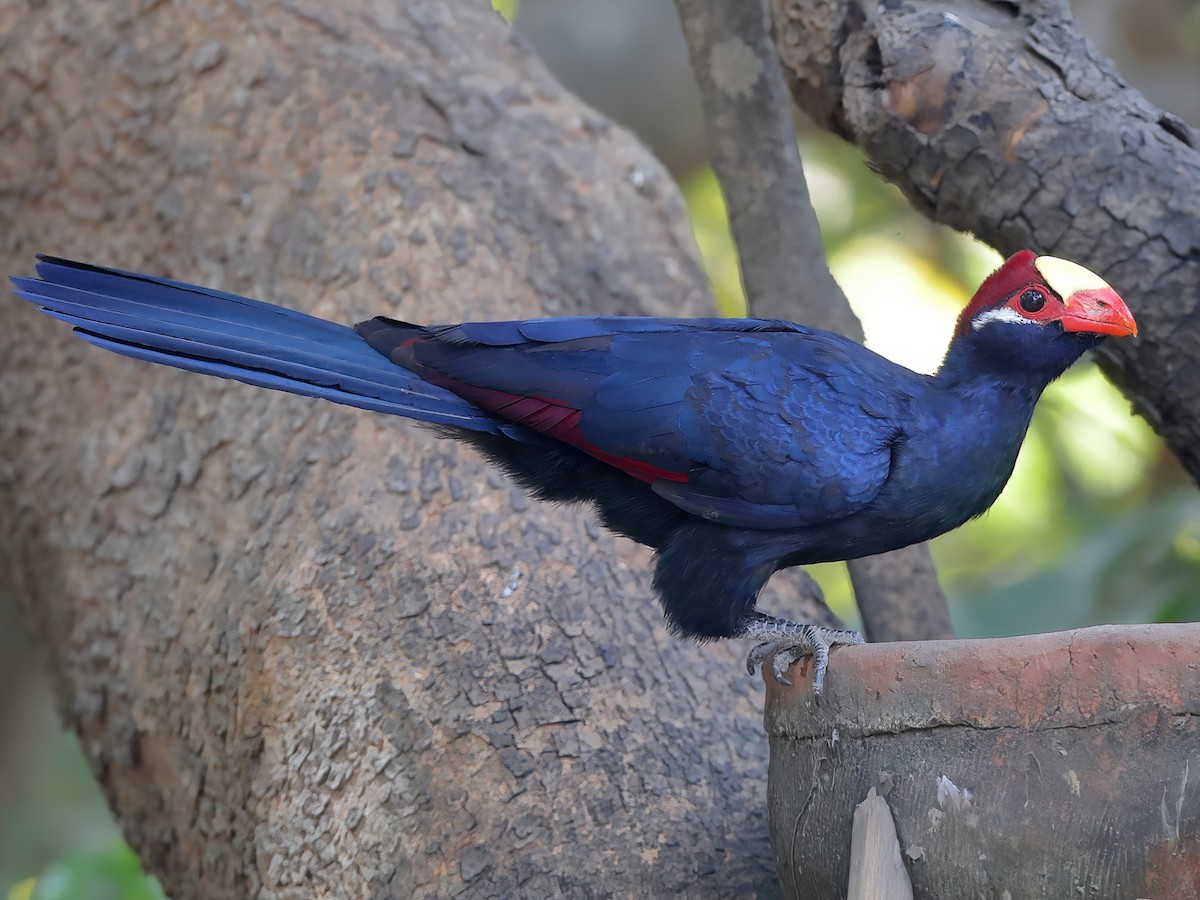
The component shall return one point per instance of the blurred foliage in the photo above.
(1098, 523)
(507, 8)
(57, 839)
(112, 873)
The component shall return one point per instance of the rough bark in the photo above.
(754, 154)
(1000, 118)
(310, 651)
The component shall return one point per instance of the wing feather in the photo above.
(742, 422)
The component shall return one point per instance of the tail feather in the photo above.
(217, 333)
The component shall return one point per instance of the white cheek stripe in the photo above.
(1001, 314)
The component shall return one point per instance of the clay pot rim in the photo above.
(1067, 679)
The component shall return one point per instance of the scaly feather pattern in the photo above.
(737, 421)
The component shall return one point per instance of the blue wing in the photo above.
(744, 422)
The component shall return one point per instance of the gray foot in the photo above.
(786, 642)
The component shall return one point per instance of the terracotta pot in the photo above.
(1057, 765)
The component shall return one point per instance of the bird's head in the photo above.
(1039, 314)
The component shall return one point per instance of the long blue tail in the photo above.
(216, 333)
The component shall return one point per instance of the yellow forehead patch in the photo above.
(1066, 277)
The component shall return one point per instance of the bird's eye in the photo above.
(1032, 301)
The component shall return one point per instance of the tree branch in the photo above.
(753, 148)
(899, 596)
(1001, 119)
(754, 153)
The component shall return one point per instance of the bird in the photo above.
(732, 447)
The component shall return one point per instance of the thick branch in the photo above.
(1001, 119)
(753, 148)
(899, 596)
(782, 259)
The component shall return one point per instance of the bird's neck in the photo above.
(971, 372)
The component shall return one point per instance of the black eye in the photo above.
(1032, 301)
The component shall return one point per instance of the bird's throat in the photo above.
(974, 370)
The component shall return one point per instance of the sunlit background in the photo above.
(1099, 523)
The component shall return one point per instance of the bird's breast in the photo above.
(946, 469)
(954, 467)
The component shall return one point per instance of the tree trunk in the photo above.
(311, 651)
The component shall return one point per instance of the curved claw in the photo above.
(758, 655)
(808, 640)
(787, 657)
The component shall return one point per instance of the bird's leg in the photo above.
(785, 642)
